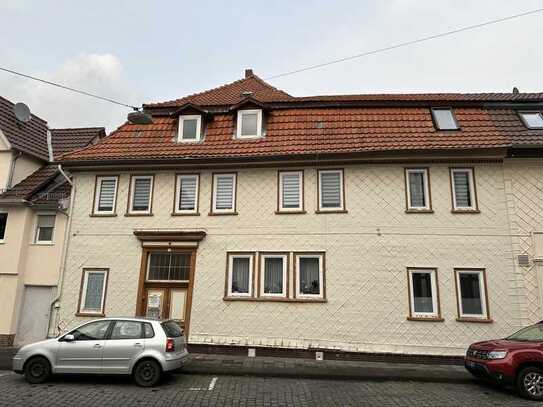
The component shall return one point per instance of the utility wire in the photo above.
(405, 44)
(58, 85)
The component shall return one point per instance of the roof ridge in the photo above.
(80, 128)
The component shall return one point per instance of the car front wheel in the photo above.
(37, 370)
(147, 373)
(530, 383)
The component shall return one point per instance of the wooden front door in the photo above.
(166, 284)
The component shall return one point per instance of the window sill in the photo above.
(476, 320)
(465, 211)
(88, 314)
(129, 215)
(103, 215)
(222, 213)
(275, 299)
(290, 212)
(419, 211)
(42, 244)
(321, 211)
(426, 319)
(185, 214)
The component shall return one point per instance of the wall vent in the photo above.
(523, 260)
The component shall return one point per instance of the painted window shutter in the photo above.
(330, 190)
(107, 194)
(142, 194)
(416, 189)
(187, 198)
(225, 192)
(291, 191)
(461, 189)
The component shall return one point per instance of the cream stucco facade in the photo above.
(368, 251)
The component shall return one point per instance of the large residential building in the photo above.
(404, 223)
(34, 207)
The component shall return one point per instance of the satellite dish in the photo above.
(22, 112)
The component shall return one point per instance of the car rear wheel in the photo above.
(530, 383)
(147, 373)
(37, 370)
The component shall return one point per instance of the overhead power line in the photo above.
(58, 85)
(405, 44)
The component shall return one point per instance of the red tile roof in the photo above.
(316, 125)
(66, 140)
(31, 184)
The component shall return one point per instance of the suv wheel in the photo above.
(147, 373)
(37, 370)
(530, 383)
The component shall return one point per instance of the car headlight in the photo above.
(497, 354)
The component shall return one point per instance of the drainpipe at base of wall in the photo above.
(54, 304)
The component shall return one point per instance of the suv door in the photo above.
(84, 353)
(123, 346)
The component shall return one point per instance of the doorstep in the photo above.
(216, 364)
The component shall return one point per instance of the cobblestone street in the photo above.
(204, 390)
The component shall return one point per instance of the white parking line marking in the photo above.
(212, 384)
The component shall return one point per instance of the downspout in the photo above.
(64, 250)
(12, 169)
(50, 150)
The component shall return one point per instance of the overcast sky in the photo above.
(144, 51)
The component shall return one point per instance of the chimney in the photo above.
(515, 90)
(248, 73)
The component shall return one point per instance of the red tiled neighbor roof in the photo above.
(66, 140)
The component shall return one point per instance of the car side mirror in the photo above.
(68, 338)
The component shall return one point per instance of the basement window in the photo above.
(532, 120)
(444, 118)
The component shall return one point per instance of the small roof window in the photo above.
(189, 128)
(249, 123)
(532, 120)
(444, 118)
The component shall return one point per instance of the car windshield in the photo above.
(532, 333)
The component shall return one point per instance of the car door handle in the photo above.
(97, 346)
(138, 345)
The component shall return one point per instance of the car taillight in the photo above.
(170, 345)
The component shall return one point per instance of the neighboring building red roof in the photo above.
(66, 140)
(31, 184)
(318, 125)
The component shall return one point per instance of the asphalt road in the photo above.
(206, 390)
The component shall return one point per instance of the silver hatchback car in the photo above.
(139, 347)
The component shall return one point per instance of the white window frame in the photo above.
(341, 191)
(37, 227)
(258, 123)
(435, 293)
(471, 182)
(525, 122)
(234, 193)
(133, 179)
(299, 294)
(263, 257)
(2, 211)
(84, 290)
(231, 257)
(182, 119)
(483, 293)
(179, 177)
(301, 187)
(425, 173)
(98, 191)
(149, 268)
(436, 122)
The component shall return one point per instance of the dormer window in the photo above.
(190, 127)
(249, 123)
(444, 118)
(532, 120)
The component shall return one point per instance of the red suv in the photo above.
(516, 360)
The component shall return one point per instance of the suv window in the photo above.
(91, 332)
(529, 334)
(172, 329)
(127, 330)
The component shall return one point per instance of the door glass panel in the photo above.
(168, 267)
(90, 332)
(127, 330)
(154, 304)
(177, 304)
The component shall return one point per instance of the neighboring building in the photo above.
(33, 217)
(361, 223)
